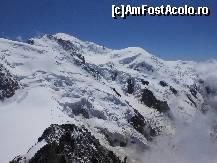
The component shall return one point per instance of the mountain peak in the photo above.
(66, 37)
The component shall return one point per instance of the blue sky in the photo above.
(187, 38)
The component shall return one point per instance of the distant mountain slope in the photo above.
(107, 104)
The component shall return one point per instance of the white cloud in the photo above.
(19, 38)
(192, 142)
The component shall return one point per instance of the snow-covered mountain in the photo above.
(66, 100)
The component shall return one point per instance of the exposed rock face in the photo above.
(193, 90)
(163, 83)
(175, 92)
(142, 126)
(130, 86)
(8, 85)
(30, 41)
(68, 144)
(116, 92)
(150, 100)
(144, 82)
(191, 100)
(143, 67)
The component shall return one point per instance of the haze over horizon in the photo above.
(170, 38)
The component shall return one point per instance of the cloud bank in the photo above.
(192, 142)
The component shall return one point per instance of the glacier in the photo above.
(76, 101)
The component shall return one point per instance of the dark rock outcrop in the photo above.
(193, 90)
(119, 95)
(142, 67)
(30, 41)
(150, 100)
(114, 75)
(140, 124)
(163, 83)
(130, 86)
(68, 143)
(144, 82)
(175, 92)
(191, 100)
(8, 85)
